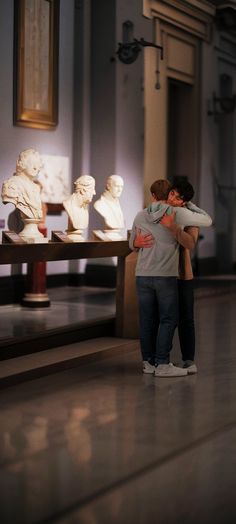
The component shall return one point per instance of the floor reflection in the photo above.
(103, 443)
(68, 306)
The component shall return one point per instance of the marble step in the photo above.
(45, 362)
(36, 341)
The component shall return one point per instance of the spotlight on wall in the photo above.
(128, 50)
(221, 105)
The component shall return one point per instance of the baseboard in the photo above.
(66, 279)
(100, 275)
(205, 266)
(12, 288)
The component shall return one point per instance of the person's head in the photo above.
(160, 189)
(181, 192)
(85, 186)
(115, 185)
(29, 162)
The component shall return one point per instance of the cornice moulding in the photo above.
(194, 16)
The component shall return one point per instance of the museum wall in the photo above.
(117, 103)
(218, 133)
(110, 103)
(13, 139)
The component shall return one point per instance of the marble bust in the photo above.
(20, 188)
(108, 206)
(77, 207)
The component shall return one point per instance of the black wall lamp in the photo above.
(128, 50)
(221, 105)
(226, 16)
(127, 53)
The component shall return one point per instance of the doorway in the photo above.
(183, 129)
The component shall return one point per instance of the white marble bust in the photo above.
(108, 205)
(21, 190)
(77, 206)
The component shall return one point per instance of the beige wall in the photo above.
(181, 62)
(180, 31)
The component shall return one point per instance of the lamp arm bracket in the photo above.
(144, 43)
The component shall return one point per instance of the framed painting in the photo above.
(36, 48)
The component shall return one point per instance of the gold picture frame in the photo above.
(36, 49)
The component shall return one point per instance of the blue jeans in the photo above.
(158, 316)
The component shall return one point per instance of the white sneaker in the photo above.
(148, 368)
(190, 366)
(169, 370)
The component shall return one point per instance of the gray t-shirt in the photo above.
(162, 259)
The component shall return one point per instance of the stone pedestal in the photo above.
(108, 234)
(31, 232)
(36, 294)
(75, 235)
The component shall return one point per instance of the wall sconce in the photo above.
(226, 16)
(129, 49)
(221, 105)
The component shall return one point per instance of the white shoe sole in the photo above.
(148, 369)
(169, 371)
(173, 375)
(192, 370)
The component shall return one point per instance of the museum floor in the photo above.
(102, 443)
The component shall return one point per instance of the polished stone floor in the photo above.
(69, 306)
(102, 443)
(74, 305)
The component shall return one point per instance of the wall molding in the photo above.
(195, 16)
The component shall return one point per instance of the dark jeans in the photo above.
(158, 314)
(186, 319)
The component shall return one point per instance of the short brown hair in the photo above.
(160, 189)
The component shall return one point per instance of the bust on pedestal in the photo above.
(77, 207)
(108, 206)
(21, 190)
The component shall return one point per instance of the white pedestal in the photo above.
(76, 235)
(30, 233)
(108, 234)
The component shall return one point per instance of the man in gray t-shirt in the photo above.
(156, 280)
